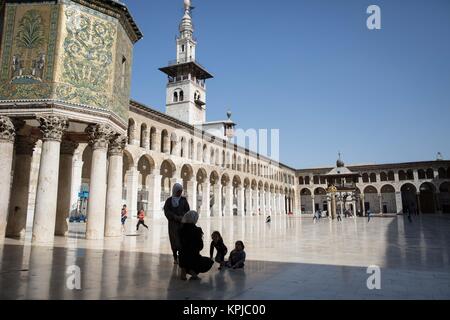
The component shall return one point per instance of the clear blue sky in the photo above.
(312, 69)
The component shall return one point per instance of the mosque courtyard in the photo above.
(289, 258)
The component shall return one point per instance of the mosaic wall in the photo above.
(66, 52)
(28, 47)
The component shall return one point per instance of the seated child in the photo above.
(237, 256)
(217, 243)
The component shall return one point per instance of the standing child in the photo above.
(237, 256)
(124, 215)
(141, 216)
(217, 243)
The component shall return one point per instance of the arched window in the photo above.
(383, 176)
(410, 174)
(300, 180)
(421, 174)
(175, 96)
(316, 179)
(430, 174)
(373, 177)
(306, 180)
(365, 177)
(442, 173)
(391, 176)
(181, 95)
(401, 175)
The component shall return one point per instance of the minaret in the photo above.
(186, 89)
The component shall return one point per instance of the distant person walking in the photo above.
(268, 219)
(174, 209)
(141, 217)
(339, 218)
(408, 212)
(369, 215)
(124, 215)
(316, 216)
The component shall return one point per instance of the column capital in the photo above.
(117, 145)
(25, 145)
(7, 129)
(68, 147)
(52, 127)
(99, 135)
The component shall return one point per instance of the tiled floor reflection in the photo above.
(290, 258)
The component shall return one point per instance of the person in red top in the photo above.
(141, 216)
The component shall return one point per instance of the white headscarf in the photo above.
(175, 189)
(190, 217)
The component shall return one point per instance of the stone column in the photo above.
(399, 202)
(18, 207)
(248, 200)
(155, 194)
(132, 177)
(333, 206)
(363, 209)
(419, 207)
(228, 210)
(300, 203)
(7, 136)
(380, 200)
(52, 128)
(64, 187)
(217, 207)
(77, 170)
(241, 201)
(263, 202)
(192, 194)
(113, 226)
(313, 202)
(205, 209)
(255, 202)
(99, 139)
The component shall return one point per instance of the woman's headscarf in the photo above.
(190, 217)
(175, 190)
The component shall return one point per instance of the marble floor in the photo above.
(290, 258)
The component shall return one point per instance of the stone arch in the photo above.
(306, 201)
(427, 198)
(167, 171)
(145, 168)
(388, 201)
(371, 199)
(409, 197)
(187, 172)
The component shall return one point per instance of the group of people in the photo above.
(186, 239)
(318, 214)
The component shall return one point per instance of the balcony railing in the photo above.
(184, 60)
